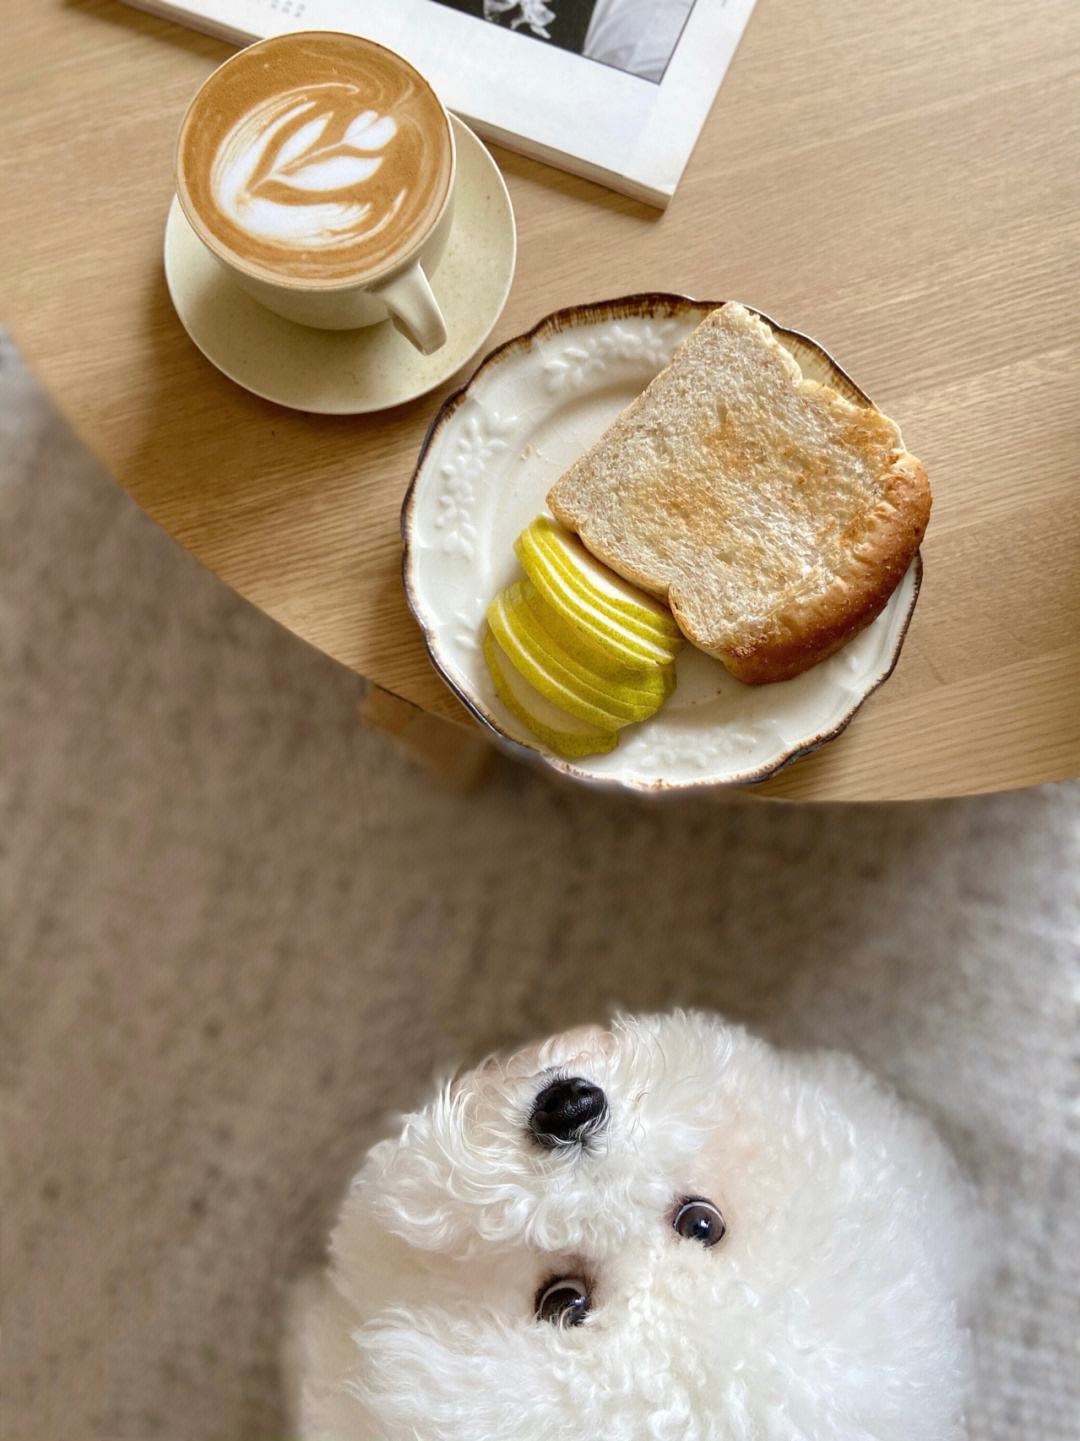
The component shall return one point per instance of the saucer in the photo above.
(494, 451)
(348, 372)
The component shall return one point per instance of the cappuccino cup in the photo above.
(318, 168)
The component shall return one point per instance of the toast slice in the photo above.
(774, 516)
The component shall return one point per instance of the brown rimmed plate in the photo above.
(490, 457)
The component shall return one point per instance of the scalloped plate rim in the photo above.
(643, 304)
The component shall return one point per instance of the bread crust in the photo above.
(804, 633)
(878, 546)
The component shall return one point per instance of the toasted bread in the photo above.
(774, 516)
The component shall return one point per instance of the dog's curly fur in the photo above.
(831, 1311)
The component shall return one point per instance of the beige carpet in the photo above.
(240, 931)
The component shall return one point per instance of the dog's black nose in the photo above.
(563, 1110)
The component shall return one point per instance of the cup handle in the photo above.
(414, 309)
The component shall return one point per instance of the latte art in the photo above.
(323, 179)
(294, 170)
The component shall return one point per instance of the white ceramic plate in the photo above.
(348, 372)
(492, 453)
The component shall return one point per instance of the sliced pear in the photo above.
(589, 707)
(608, 583)
(618, 700)
(605, 586)
(630, 700)
(591, 660)
(575, 574)
(617, 645)
(551, 726)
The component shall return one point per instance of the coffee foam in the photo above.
(314, 158)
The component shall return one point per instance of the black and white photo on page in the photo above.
(635, 36)
(616, 91)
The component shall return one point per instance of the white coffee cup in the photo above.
(399, 289)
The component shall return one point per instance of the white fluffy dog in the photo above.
(665, 1231)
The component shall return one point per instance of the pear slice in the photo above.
(587, 706)
(608, 584)
(591, 659)
(601, 583)
(617, 645)
(630, 700)
(551, 726)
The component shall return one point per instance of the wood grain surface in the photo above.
(900, 181)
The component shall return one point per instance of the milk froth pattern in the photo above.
(314, 158)
(293, 171)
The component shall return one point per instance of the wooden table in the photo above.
(899, 180)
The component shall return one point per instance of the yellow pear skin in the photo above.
(631, 700)
(551, 726)
(532, 669)
(619, 648)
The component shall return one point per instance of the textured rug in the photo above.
(240, 932)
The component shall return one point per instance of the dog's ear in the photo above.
(464, 1077)
(442, 1182)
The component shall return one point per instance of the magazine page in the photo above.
(616, 90)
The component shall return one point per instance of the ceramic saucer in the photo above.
(348, 372)
(495, 449)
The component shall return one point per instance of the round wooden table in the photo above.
(899, 181)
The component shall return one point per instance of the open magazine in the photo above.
(616, 90)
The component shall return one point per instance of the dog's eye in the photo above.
(564, 1301)
(696, 1219)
